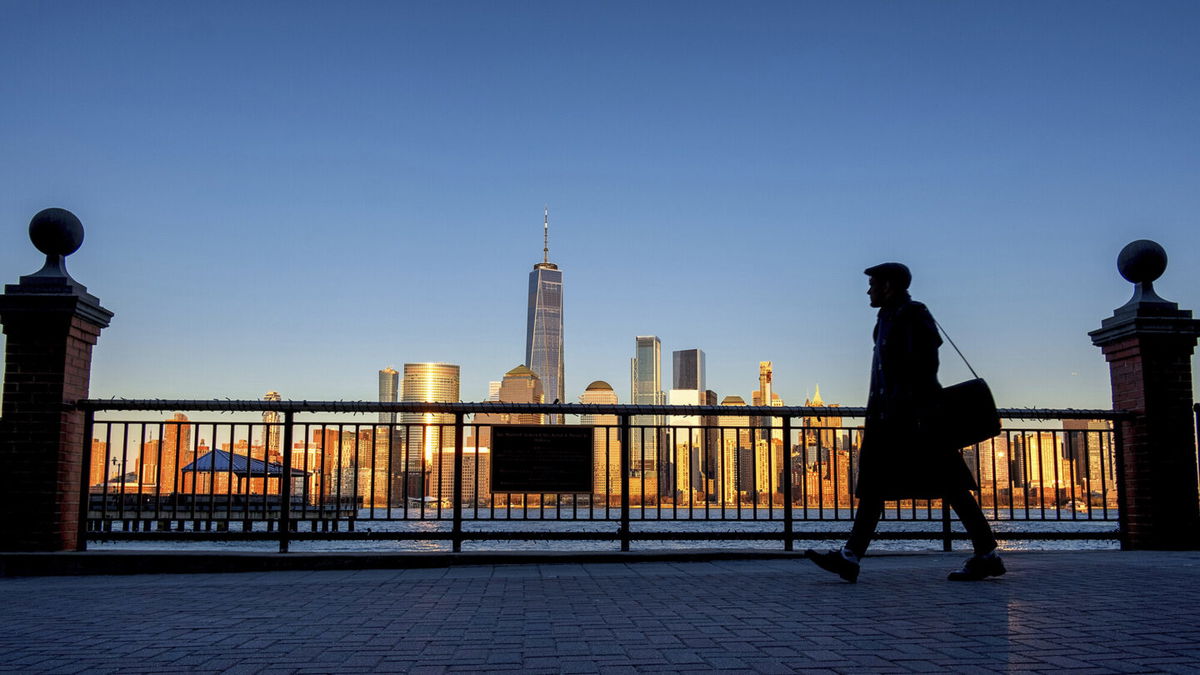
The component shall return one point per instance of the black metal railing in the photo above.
(661, 473)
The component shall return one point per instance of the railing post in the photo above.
(947, 545)
(89, 420)
(788, 544)
(456, 528)
(51, 323)
(285, 490)
(1148, 343)
(624, 467)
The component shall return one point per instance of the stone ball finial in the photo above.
(56, 232)
(1142, 261)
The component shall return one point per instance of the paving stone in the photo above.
(1089, 612)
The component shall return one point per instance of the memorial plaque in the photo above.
(541, 458)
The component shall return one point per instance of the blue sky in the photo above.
(291, 196)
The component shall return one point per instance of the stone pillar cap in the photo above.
(1141, 263)
(57, 233)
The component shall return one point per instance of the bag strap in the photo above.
(960, 354)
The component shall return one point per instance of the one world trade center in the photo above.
(544, 328)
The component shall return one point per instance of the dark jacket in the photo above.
(901, 457)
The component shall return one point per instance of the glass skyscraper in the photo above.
(544, 328)
(646, 379)
(389, 387)
(687, 370)
(427, 433)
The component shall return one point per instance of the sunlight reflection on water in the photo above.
(555, 520)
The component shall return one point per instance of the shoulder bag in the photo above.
(967, 412)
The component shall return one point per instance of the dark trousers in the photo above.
(962, 501)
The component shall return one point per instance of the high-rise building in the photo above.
(821, 436)
(646, 389)
(388, 437)
(493, 391)
(365, 462)
(389, 388)
(711, 459)
(160, 462)
(772, 440)
(1036, 465)
(687, 370)
(735, 467)
(765, 396)
(520, 385)
(426, 433)
(274, 430)
(544, 325)
(681, 457)
(476, 475)
(684, 458)
(606, 444)
(1090, 452)
(100, 470)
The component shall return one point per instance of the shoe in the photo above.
(979, 567)
(834, 561)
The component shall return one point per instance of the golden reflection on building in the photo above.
(606, 443)
(476, 475)
(735, 468)
(426, 433)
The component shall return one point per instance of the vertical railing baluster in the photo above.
(456, 531)
(285, 490)
(787, 484)
(624, 463)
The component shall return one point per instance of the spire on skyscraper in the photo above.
(544, 326)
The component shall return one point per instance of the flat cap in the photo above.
(894, 272)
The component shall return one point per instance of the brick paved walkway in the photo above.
(1091, 611)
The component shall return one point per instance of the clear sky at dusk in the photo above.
(291, 196)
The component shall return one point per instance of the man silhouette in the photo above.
(901, 455)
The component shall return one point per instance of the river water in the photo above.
(826, 532)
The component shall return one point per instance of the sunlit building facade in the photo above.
(426, 433)
(476, 475)
(1090, 450)
(606, 444)
(769, 442)
(684, 459)
(160, 461)
(821, 436)
(735, 464)
(274, 427)
(520, 385)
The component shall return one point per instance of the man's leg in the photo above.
(866, 519)
(986, 561)
(964, 504)
(844, 563)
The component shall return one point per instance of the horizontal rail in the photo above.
(370, 407)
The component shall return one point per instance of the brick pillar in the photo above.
(51, 323)
(1148, 344)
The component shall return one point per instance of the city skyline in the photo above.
(720, 178)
